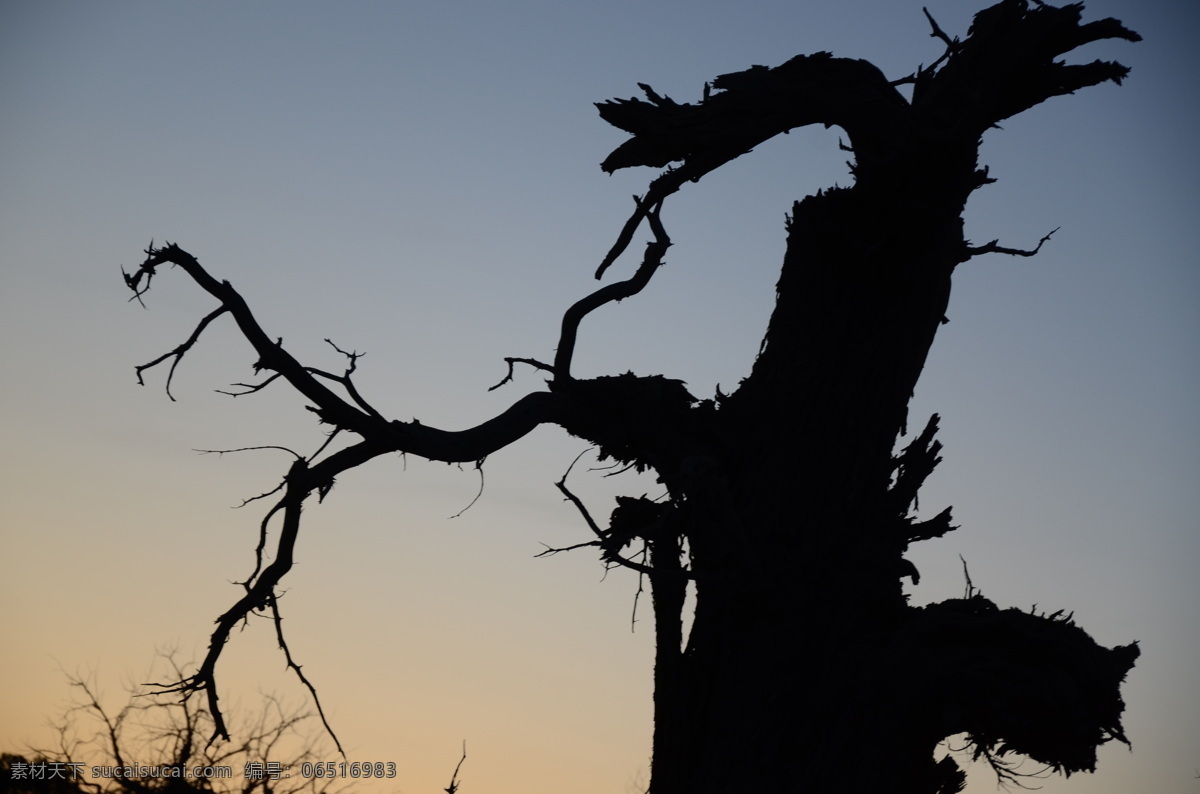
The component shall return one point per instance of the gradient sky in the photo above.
(420, 180)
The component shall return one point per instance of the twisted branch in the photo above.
(648, 208)
(301, 481)
(379, 437)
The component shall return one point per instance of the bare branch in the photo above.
(995, 248)
(638, 595)
(429, 442)
(552, 550)
(748, 108)
(573, 499)
(602, 536)
(468, 446)
(250, 388)
(971, 590)
(150, 732)
(272, 356)
(454, 784)
(345, 379)
(177, 353)
(510, 360)
(307, 476)
(617, 291)
(301, 481)
(287, 653)
(291, 452)
(478, 468)
(924, 72)
(938, 33)
(262, 537)
(324, 444)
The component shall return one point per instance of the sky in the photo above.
(420, 181)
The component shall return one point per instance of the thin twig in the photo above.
(552, 550)
(250, 388)
(995, 248)
(287, 654)
(454, 784)
(178, 352)
(510, 360)
(938, 33)
(478, 468)
(970, 589)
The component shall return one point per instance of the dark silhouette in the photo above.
(785, 505)
(156, 746)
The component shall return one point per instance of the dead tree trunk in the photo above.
(804, 657)
(805, 669)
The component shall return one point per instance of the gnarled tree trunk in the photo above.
(805, 669)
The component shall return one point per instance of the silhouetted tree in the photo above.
(163, 742)
(785, 505)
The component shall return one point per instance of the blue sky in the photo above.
(420, 180)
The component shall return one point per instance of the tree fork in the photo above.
(785, 504)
